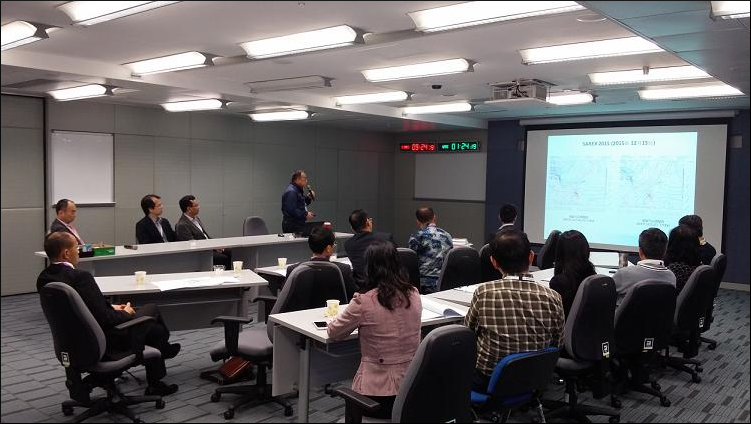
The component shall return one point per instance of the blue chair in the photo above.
(517, 380)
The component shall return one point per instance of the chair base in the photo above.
(115, 403)
(712, 344)
(251, 395)
(576, 411)
(681, 364)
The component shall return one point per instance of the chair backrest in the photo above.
(589, 325)
(75, 333)
(546, 257)
(436, 387)
(718, 264)
(487, 271)
(694, 299)
(644, 320)
(522, 373)
(255, 226)
(461, 267)
(309, 286)
(410, 262)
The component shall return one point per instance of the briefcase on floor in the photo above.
(234, 370)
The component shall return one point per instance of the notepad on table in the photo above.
(432, 309)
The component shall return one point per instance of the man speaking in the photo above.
(294, 203)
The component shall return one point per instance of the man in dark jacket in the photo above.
(190, 227)
(294, 204)
(362, 224)
(153, 228)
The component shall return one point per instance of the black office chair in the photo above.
(409, 261)
(587, 337)
(487, 271)
(690, 310)
(643, 323)
(436, 388)
(461, 267)
(255, 226)
(80, 346)
(719, 263)
(518, 380)
(308, 286)
(546, 257)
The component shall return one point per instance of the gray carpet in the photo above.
(33, 382)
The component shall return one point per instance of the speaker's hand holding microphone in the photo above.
(311, 193)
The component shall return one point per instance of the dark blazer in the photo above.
(349, 281)
(293, 209)
(84, 284)
(59, 226)
(147, 233)
(186, 230)
(706, 253)
(356, 247)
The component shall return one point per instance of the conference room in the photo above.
(199, 198)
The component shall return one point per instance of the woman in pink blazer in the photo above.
(387, 313)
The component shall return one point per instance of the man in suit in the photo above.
(153, 228)
(294, 204)
(322, 243)
(507, 217)
(190, 227)
(62, 251)
(66, 214)
(362, 225)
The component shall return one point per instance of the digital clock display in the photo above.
(417, 147)
(444, 146)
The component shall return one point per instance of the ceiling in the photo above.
(77, 54)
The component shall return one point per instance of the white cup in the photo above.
(218, 270)
(282, 262)
(333, 257)
(140, 278)
(332, 307)
(192, 243)
(237, 266)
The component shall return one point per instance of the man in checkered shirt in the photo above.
(513, 314)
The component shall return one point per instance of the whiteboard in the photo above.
(450, 176)
(81, 167)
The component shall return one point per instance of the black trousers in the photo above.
(292, 226)
(480, 382)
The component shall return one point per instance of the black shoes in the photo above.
(161, 389)
(171, 351)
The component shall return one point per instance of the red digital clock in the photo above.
(417, 147)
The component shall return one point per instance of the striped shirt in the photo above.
(511, 315)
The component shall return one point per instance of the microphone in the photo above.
(311, 193)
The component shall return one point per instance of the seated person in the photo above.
(388, 316)
(507, 217)
(190, 227)
(572, 266)
(153, 228)
(323, 244)
(62, 251)
(66, 214)
(514, 314)
(362, 225)
(652, 245)
(682, 255)
(431, 244)
(706, 251)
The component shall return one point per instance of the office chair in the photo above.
(546, 257)
(643, 323)
(461, 267)
(719, 262)
(437, 385)
(80, 346)
(255, 226)
(409, 261)
(690, 310)
(308, 286)
(588, 336)
(487, 271)
(517, 380)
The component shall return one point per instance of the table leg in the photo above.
(304, 383)
(244, 299)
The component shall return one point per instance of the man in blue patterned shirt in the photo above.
(431, 245)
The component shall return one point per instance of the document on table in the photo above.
(193, 282)
(461, 242)
(432, 309)
(467, 289)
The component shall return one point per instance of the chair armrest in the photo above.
(127, 324)
(137, 338)
(357, 400)
(231, 331)
(266, 307)
(231, 319)
(264, 298)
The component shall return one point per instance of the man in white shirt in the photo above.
(652, 245)
(66, 214)
(190, 227)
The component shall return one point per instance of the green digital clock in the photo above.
(458, 146)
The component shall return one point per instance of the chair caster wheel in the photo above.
(160, 404)
(664, 401)
(67, 411)
(614, 420)
(229, 414)
(615, 403)
(655, 385)
(712, 346)
(695, 378)
(216, 397)
(288, 411)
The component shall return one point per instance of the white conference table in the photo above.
(309, 357)
(189, 307)
(197, 255)
(282, 272)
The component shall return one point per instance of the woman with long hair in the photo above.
(682, 254)
(572, 266)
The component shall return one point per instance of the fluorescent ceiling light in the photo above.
(689, 91)
(327, 38)
(94, 12)
(81, 92)
(419, 70)
(288, 84)
(18, 33)
(569, 98)
(387, 96)
(483, 12)
(204, 104)
(175, 62)
(438, 108)
(730, 9)
(289, 115)
(670, 73)
(588, 50)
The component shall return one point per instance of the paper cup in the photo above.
(140, 278)
(333, 257)
(282, 262)
(218, 270)
(332, 307)
(237, 266)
